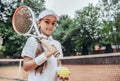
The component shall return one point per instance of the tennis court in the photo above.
(79, 70)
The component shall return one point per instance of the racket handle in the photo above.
(49, 46)
(57, 54)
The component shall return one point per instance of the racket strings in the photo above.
(23, 21)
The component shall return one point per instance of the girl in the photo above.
(39, 61)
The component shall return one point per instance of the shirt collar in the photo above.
(44, 36)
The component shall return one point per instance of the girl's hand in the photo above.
(51, 51)
(63, 73)
(63, 79)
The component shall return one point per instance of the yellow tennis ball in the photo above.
(64, 72)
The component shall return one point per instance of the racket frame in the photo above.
(34, 25)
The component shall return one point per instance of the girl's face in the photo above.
(47, 25)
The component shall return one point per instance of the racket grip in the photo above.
(56, 54)
(49, 46)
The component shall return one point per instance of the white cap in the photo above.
(46, 13)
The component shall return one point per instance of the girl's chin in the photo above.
(47, 34)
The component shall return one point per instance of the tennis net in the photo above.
(100, 67)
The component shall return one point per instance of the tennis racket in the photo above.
(23, 22)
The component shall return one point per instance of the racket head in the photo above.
(22, 20)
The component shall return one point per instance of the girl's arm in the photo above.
(31, 64)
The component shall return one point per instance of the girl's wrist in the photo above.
(40, 59)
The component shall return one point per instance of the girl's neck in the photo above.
(45, 35)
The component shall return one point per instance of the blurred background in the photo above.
(88, 30)
(91, 29)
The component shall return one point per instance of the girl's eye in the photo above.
(53, 24)
(47, 22)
